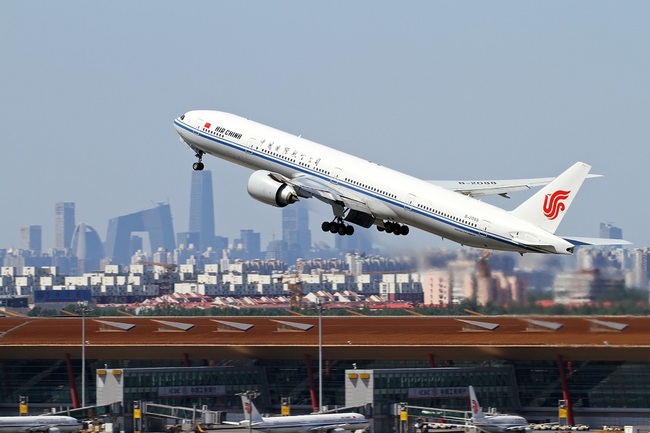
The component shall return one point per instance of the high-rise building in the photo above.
(31, 239)
(64, 225)
(87, 246)
(295, 232)
(610, 231)
(157, 222)
(202, 208)
(249, 244)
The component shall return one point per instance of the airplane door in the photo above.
(198, 124)
(335, 175)
(252, 144)
(484, 227)
(409, 202)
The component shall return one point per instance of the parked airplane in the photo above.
(289, 168)
(42, 423)
(495, 423)
(323, 423)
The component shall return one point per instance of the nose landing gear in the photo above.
(198, 166)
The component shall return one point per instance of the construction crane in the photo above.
(164, 279)
(294, 285)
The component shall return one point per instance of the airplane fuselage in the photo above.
(312, 423)
(502, 424)
(388, 194)
(17, 424)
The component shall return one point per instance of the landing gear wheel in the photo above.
(325, 226)
(349, 230)
(198, 165)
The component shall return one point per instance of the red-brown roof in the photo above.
(292, 337)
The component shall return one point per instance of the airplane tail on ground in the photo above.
(477, 411)
(547, 207)
(250, 411)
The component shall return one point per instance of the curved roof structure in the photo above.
(612, 338)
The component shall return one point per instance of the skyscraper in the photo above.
(295, 232)
(202, 208)
(87, 246)
(156, 221)
(610, 231)
(64, 225)
(31, 239)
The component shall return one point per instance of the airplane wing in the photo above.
(476, 188)
(42, 428)
(309, 186)
(325, 428)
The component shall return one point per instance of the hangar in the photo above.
(591, 362)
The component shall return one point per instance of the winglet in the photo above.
(477, 412)
(548, 206)
(250, 411)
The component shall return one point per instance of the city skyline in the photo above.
(436, 90)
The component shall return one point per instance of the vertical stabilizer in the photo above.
(250, 411)
(477, 412)
(547, 207)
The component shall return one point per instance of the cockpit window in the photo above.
(183, 117)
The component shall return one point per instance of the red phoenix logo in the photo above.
(553, 203)
(247, 407)
(475, 407)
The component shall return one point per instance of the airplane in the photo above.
(499, 423)
(41, 423)
(288, 168)
(322, 423)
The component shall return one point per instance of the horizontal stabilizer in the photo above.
(577, 240)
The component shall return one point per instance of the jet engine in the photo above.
(262, 187)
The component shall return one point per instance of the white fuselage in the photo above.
(389, 194)
(18, 424)
(502, 424)
(309, 423)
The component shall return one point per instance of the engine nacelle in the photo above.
(262, 187)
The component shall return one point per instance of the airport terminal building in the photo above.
(597, 365)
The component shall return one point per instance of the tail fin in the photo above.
(250, 411)
(547, 207)
(477, 412)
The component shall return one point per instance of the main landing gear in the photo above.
(337, 226)
(395, 228)
(198, 166)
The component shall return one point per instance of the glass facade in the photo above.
(508, 385)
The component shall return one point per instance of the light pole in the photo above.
(248, 407)
(320, 354)
(83, 307)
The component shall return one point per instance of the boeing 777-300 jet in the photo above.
(288, 168)
(316, 423)
(41, 423)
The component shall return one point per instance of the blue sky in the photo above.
(441, 90)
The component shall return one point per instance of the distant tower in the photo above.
(87, 246)
(64, 225)
(156, 221)
(202, 208)
(31, 238)
(610, 231)
(251, 244)
(295, 231)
